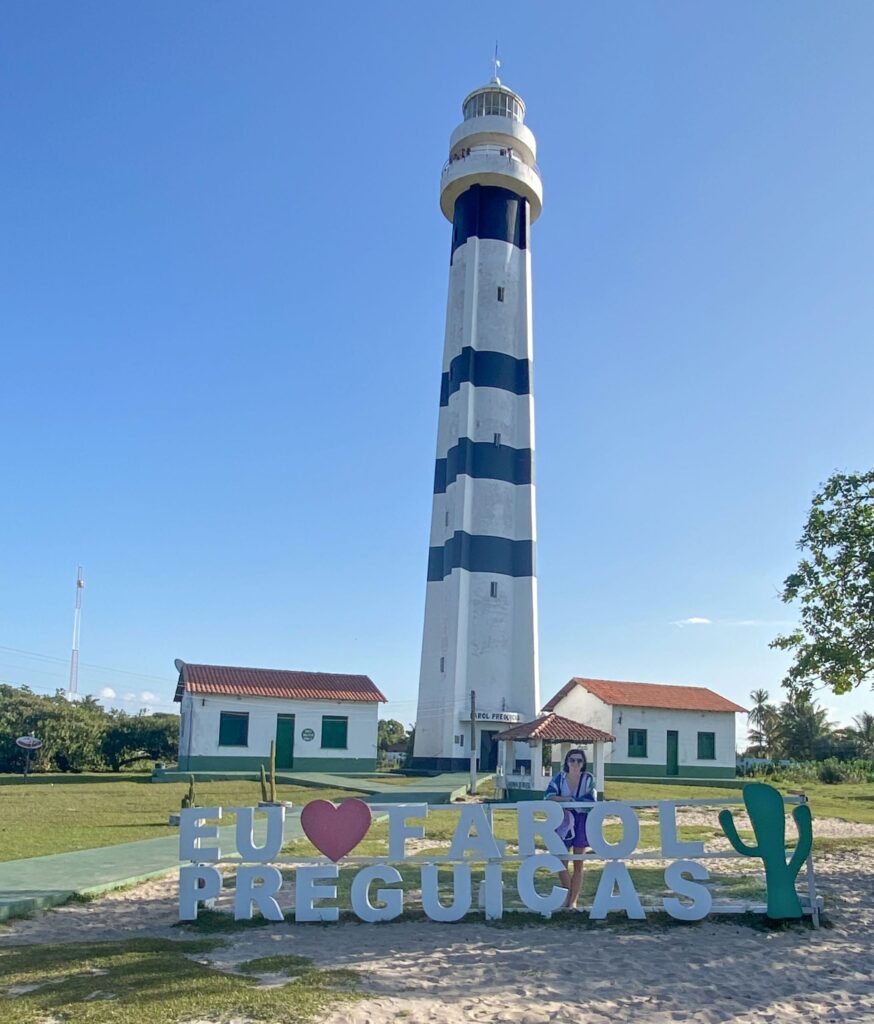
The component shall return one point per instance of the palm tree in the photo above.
(863, 733)
(802, 729)
(759, 722)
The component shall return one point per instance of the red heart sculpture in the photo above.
(335, 829)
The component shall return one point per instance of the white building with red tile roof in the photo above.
(662, 732)
(320, 721)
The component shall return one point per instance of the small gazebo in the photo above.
(563, 734)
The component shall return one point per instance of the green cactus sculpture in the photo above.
(264, 793)
(767, 814)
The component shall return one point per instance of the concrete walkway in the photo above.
(36, 883)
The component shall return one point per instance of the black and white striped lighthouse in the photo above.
(481, 605)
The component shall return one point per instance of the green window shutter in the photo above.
(335, 730)
(637, 742)
(234, 729)
(706, 746)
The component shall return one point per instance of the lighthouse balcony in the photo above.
(490, 165)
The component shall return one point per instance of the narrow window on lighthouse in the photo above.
(442, 661)
(493, 586)
(500, 294)
(497, 440)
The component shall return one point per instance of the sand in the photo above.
(715, 972)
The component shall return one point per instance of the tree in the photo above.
(834, 583)
(79, 735)
(141, 737)
(389, 731)
(803, 731)
(760, 723)
(862, 731)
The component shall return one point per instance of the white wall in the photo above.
(487, 644)
(582, 706)
(657, 722)
(204, 712)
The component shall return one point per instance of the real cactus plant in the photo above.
(264, 793)
(190, 798)
(273, 798)
(765, 808)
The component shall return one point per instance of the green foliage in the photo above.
(132, 738)
(862, 733)
(273, 797)
(831, 770)
(264, 793)
(801, 730)
(279, 963)
(761, 722)
(79, 735)
(834, 583)
(389, 731)
(190, 798)
(766, 810)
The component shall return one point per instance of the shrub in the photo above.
(832, 771)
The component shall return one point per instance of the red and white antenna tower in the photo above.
(72, 689)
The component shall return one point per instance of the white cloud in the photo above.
(130, 697)
(700, 620)
(149, 697)
(108, 693)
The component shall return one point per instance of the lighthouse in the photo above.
(480, 630)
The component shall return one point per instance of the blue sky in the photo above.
(223, 273)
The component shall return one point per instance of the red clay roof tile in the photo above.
(273, 682)
(648, 695)
(555, 729)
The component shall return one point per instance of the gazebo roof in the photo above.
(556, 729)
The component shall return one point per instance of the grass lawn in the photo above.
(56, 813)
(846, 800)
(394, 780)
(160, 981)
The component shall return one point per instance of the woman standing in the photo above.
(573, 784)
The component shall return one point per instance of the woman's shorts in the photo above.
(579, 838)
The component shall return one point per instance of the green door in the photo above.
(285, 741)
(673, 752)
(488, 750)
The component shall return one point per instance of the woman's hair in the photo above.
(576, 750)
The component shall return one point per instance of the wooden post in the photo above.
(472, 742)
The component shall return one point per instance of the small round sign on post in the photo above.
(28, 743)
